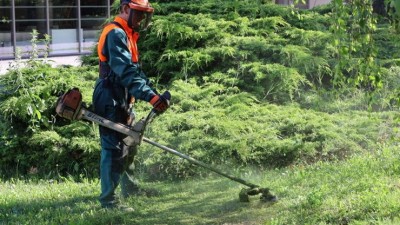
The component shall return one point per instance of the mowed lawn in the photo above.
(364, 189)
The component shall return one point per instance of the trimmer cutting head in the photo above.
(266, 196)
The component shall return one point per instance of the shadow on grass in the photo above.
(195, 202)
(202, 202)
(76, 210)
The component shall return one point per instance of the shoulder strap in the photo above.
(103, 36)
(118, 24)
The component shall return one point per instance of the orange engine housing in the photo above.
(69, 104)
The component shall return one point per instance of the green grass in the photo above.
(364, 189)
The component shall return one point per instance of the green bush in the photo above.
(190, 39)
(38, 138)
(222, 126)
(215, 122)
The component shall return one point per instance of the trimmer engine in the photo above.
(69, 104)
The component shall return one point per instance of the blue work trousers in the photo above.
(116, 165)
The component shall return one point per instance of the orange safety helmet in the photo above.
(141, 10)
(141, 5)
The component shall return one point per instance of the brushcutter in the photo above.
(70, 106)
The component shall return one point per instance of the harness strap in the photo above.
(132, 41)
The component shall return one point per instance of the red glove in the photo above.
(161, 102)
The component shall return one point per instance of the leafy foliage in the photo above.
(222, 126)
(192, 39)
(353, 28)
(192, 44)
(27, 106)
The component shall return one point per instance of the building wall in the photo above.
(72, 25)
(309, 3)
(313, 3)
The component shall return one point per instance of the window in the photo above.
(6, 43)
(93, 15)
(73, 25)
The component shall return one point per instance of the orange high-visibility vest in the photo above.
(132, 39)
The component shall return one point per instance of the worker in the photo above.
(121, 79)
